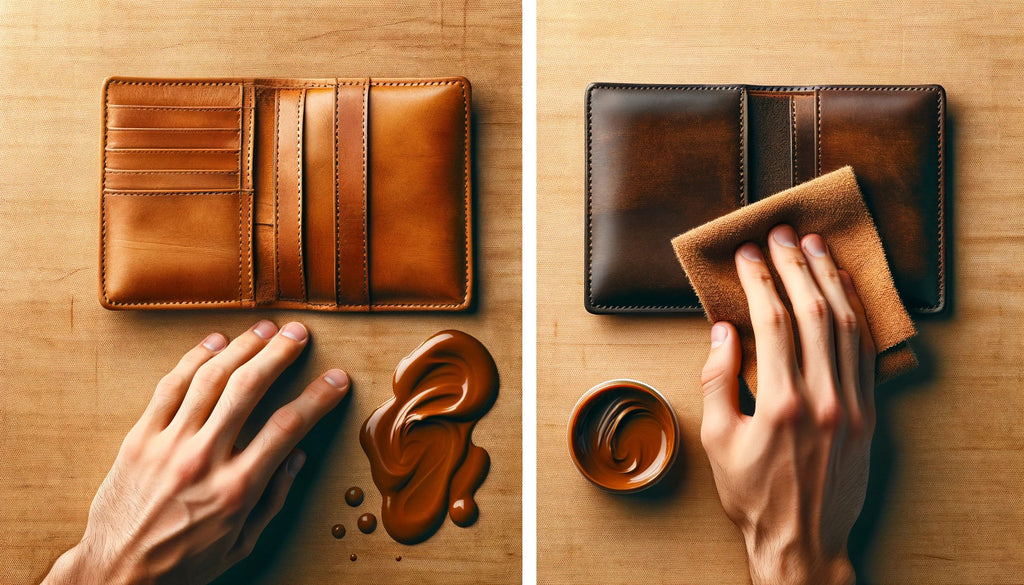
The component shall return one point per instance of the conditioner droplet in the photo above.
(354, 496)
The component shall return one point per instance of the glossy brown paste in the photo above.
(623, 436)
(419, 443)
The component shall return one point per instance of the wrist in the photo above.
(80, 565)
(794, 565)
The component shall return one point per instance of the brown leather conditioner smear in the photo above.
(419, 443)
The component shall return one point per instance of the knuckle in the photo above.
(829, 415)
(774, 318)
(816, 308)
(787, 410)
(856, 425)
(712, 432)
(234, 496)
(829, 274)
(847, 323)
(171, 383)
(797, 261)
(247, 379)
(321, 393)
(132, 447)
(211, 374)
(764, 278)
(288, 420)
(191, 467)
(712, 377)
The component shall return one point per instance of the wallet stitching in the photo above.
(590, 183)
(178, 108)
(240, 212)
(277, 158)
(170, 172)
(794, 175)
(366, 220)
(298, 216)
(817, 131)
(941, 289)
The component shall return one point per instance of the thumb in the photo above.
(719, 380)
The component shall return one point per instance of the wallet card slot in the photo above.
(319, 217)
(226, 159)
(186, 180)
(352, 148)
(173, 117)
(769, 143)
(140, 92)
(173, 138)
(288, 193)
(264, 174)
(173, 248)
(805, 137)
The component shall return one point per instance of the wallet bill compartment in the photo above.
(191, 243)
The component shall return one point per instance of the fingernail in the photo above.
(751, 252)
(215, 342)
(719, 333)
(295, 463)
(294, 331)
(815, 246)
(264, 329)
(337, 378)
(785, 236)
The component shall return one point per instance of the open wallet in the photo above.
(321, 194)
(662, 159)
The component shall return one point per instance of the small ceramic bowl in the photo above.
(623, 436)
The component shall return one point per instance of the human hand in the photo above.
(793, 476)
(181, 503)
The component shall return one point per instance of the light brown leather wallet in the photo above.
(321, 194)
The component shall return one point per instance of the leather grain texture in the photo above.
(662, 159)
(321, 194)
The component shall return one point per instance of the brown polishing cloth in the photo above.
(831, 206)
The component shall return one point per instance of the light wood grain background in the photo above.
(948, 470)
(74, 377)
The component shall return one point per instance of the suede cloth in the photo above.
(831, 206)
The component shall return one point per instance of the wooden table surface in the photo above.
(948, 468)
(74, 377)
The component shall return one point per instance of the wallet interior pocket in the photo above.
(190, 246)
(173, 137)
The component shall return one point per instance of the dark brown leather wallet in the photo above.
(662, 159)
(321, 194)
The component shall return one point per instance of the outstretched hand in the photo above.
(793, 476)
(181, 503)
